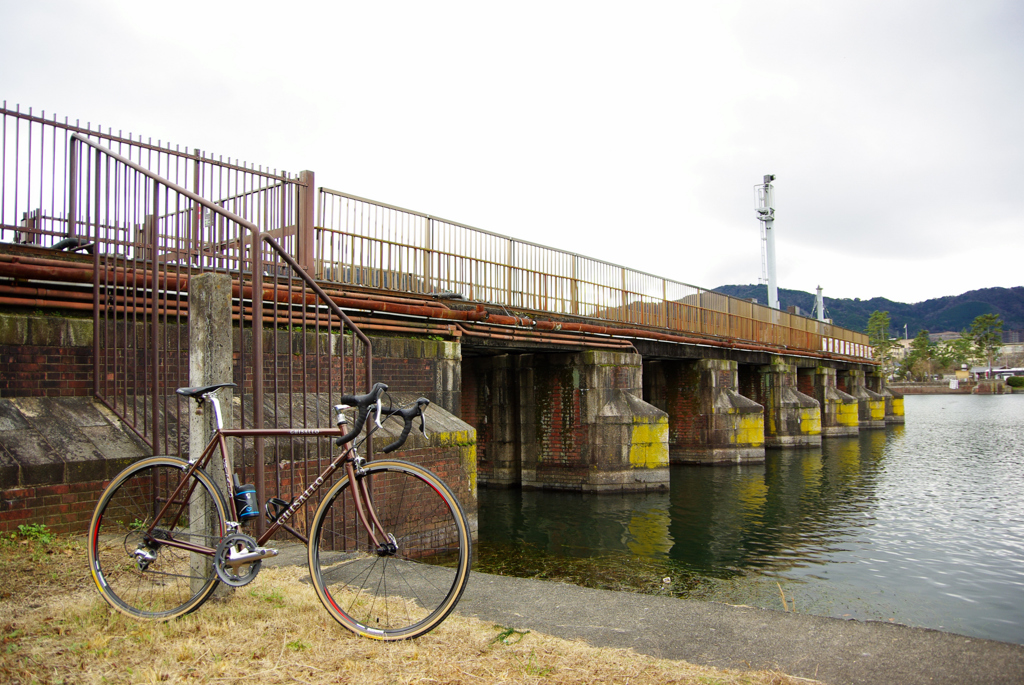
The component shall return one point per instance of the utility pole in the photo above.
(766, 215)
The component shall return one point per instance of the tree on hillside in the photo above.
(987, 333)
(878, 335)
(921, 356)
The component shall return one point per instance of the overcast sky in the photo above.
(630, 132)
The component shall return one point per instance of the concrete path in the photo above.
(830, 650)
(827, 649)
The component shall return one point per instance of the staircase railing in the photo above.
(295, 350)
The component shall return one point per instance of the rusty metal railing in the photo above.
(365, 243)
(37, 164)
(296, 352)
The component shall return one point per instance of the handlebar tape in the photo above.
(408, 415)
(362, 403)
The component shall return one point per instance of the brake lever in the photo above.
(423, 425)
(379, 410)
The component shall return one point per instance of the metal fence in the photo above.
(295, 351)
(38, 168)
(365, 243)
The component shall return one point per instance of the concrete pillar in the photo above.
(710, 422)
(591, 430)
(210, 362)
(447, 374)
(894, 406)
(871, 405)
(839, 410)
(791, 418)
(893, 399)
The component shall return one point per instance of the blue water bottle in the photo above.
(245, 501)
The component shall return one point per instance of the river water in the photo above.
(921, 524)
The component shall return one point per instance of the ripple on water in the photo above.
(923, 523)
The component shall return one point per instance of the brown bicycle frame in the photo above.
(360, 494)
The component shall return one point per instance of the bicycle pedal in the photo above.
(261, 553)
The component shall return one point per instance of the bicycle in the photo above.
(388, 561)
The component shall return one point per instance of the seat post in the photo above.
(212, 398)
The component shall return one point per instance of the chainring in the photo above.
(231, 548)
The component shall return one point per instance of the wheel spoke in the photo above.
(399, 595)
(173, 581)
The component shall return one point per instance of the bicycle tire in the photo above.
(399, 596)
(175, 582)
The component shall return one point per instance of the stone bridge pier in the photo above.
(791, 418)
(839, 410)
(709, 420)
(571, 421)
(871, 405)
(893, 399)
(601, 420)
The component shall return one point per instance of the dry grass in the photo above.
(56, 629)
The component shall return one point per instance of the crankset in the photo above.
(238, 559)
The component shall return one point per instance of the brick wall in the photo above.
(50, 356)
(489, 403)
(444, 461)
(45, 357)
(67, 508)
(53, 356)
(805, 382)
(843, 382)
(561, 432)
(64, 508)
(674, 387)
(473, 414)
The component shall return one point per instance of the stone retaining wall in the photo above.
(59, 447)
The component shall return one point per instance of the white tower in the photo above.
(766, 215)
(819, 304)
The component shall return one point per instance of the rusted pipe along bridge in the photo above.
(574, 372)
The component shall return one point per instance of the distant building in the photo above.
(1002, 372)
(900, 349)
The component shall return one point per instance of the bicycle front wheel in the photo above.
(156, 568)
(409, 589)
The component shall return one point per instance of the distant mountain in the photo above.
(953, 313)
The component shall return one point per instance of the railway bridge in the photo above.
(573, 372)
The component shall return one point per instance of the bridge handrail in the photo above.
(36, 161)
(364, 242)
(253, 229)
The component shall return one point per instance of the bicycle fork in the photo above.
(363, 504)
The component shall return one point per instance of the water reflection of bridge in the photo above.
(789, 512)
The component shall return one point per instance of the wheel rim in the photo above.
(134, 569)
(399, 595)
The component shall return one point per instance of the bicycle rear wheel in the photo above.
(136, 568)
(404, 593)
